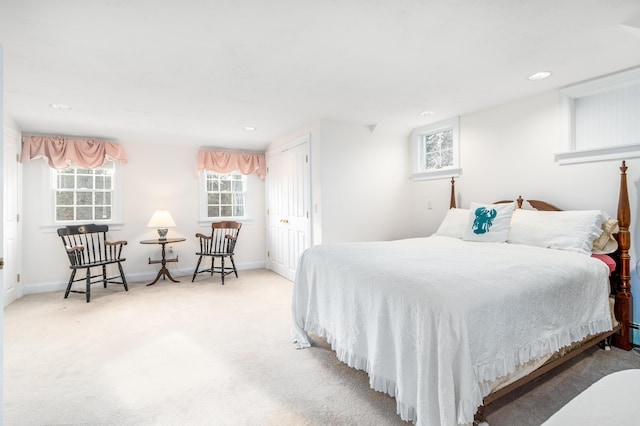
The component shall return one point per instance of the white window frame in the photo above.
(567, 151)
(49, 222)
(203, 211)
(417, 151)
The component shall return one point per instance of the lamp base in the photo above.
(162, 233)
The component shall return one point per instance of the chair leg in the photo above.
(196, 271)
(213, 264)
(124, 280)
(222, 269)
(104, 276)
(234, 266)
(88, 291)
(73, 275)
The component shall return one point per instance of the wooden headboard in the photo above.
(621, 278)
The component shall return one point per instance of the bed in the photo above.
(448, 323)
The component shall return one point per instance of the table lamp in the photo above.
(161, 220)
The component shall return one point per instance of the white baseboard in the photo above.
(48, 287)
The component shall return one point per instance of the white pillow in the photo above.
(489, 222)
(564, 230)
(454, 223)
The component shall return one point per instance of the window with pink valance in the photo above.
(61, 152)
(225, 162)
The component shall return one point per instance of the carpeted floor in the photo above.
(205, 354)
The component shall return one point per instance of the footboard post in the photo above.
(623, 307)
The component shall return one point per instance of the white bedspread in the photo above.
(431, 319)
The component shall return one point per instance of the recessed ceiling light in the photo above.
(249, 128)
(423, 113)
(539, 75)
(61, 107)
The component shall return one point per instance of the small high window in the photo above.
(438, 150)
(599, 119)
(435, 150)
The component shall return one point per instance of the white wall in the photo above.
(359, 177)
(156, 177)
(507, 151)
(365, 184)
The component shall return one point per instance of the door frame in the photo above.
(1, 228)
(11, 226)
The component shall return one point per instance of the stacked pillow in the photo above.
(563, 230)
(582, 231)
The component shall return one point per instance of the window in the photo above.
(225, 195)
(438, 149)
(435, 150)
(83, 195)
(600, 119)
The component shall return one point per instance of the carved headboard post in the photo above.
(452, 201)
(623, 308)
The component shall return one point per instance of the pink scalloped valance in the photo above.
(226, 161)
(62, 152)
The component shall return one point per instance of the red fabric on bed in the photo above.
(608, 260)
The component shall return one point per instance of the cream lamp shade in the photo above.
(161, 220)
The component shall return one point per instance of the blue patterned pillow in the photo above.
(489, 222)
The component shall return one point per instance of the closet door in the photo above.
(288, 198)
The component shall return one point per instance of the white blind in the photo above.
(608, 119)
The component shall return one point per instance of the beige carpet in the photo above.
(205, 354)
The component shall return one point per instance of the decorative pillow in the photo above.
(489, 222)
(564, 230)
(606, 242)
(454, 223)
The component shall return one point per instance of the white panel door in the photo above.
(11, 205)
(288, 199)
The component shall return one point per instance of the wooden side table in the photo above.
(164, 272)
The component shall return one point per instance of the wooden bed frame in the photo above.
(620, 288)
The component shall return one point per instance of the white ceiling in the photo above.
(194, 72)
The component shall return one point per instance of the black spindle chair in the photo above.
(87, 247)
(220, 244)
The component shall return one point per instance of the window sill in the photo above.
(440, 174)
(599, 154)
(53, 228)
(206, 223)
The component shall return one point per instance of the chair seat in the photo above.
(93, 264)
